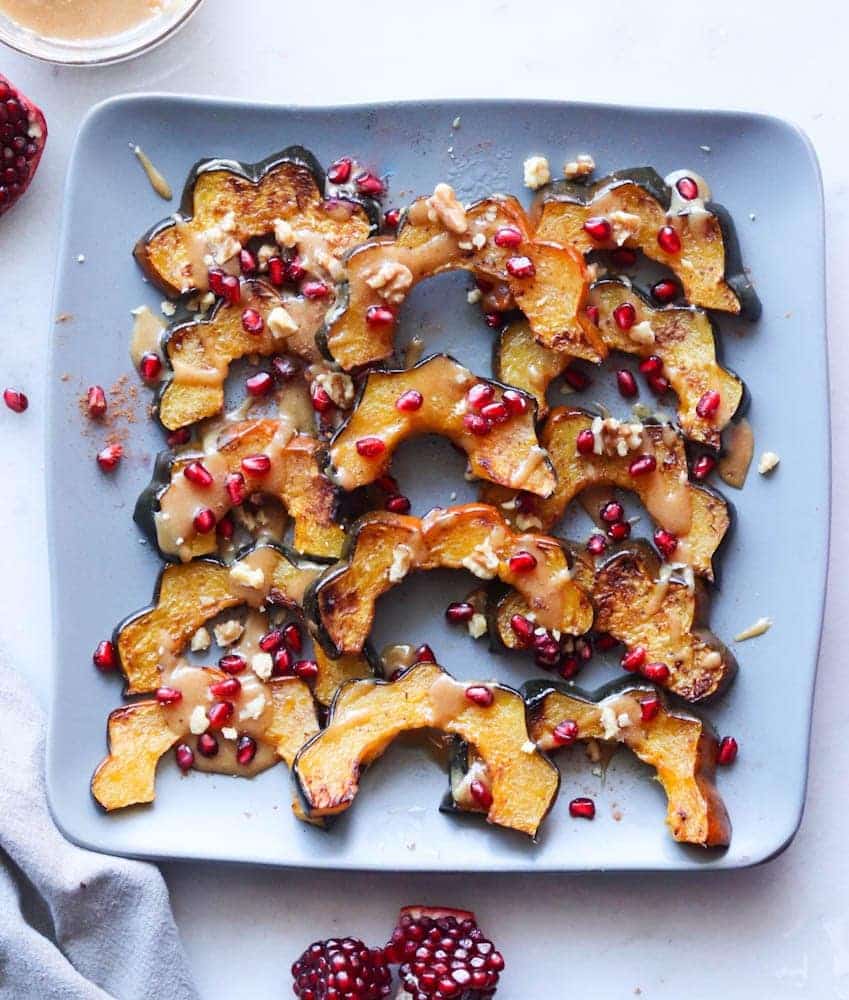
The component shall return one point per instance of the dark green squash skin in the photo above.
(579, 193)
(253, 172)
(459, 757)
(363, 384)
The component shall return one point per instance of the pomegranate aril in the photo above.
(409, 401)
(370, 447)
(424, 654)
(703, 466)
(634, 659)
(642, 465)
(95, 401)
(168, 695)
(14, 398)
(623, 257)
(228, 688)
(215, 279)
(666, 542)
(369, 183)
(480, 695)
(339, 172)
(380, 316)
(225, 528)
(658, 384)
(664, 291)
(496, 412)
(234, 483)
(282, 660)
(708, 405)
(522, 627)
(652, 365)
(520, 267)
(611, 512)
(459, 612)
(185, 757)
(604, 641)
(292, 637)
(482, 797)
(476, 424)
(398, 504)
(577, 379)
(220, 713)
(247, 262)
(687, 188)
(668, 240)
(516, 402)
(619, 531)
(232, 663)
(307, 670)
(204, 521)
(656, 672)
(295, 270)
(593, 314)
(625, 316)
(271, 640)
(389, 484)
(252, 321)
(315, 289)
(492, 319)
(507, 236)
(479, 395)
(259, 384)
(598, 229)
(104, 656)
(207, 745)
(256, 465)
(565, 733)
(231, 289)
(150, 366)
(585, 442)
(392, 218)
(569, 666)
(582, 808)
(198, 474)
(284, 368)
(109, 457)
(276, 271)
(178, 437)
(547, 653)
(649, 707)
(522, 562)
(626, 384)
(596, 545)
(321, 401)
(727, 751)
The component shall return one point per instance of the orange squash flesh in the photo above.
(680, 747)
(508, 454)
(697, 516)
(384, 547)
(553, 298)
(368, 715)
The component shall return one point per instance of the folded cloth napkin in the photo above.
(73, 924)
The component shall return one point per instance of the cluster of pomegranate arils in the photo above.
(442, 954)
(484, 411)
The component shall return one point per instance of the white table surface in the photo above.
(781, 930)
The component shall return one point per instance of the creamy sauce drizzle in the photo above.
(740, 446)
(447, 699)
(156, 179)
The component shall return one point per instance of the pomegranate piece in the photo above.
(252, 321)
(150, 366)
(245, 749)
(520, 267)
(495, 413)
(220, 713)
(612, 512)
(516, 402)
(104, 656)
(314, 289)
(619, 531)
(481, 795)
(708, 404)
(228, 688)
(295, 269)
(582, 808)
(341, 969)
(14, 398)
(623, 258)
(109, 457)
(23, 134)
(492, 320)
(276, 271)
(664, 291)
(204, 521)
(282, 662)
(656, 672)
(307, 670)
(185, 757)
(634, 659)
(594, 314)
(339, 172)
(256, 465)
(232, 663)
(380, 316)
(231, 289)
(565, 733)
(169, 695)
(207, 745)
(398, 504)
(652, 365)
(642, 465)
(598, 229)
(523, 628)
(605, 641)
(577, 379)
(442, 952)
(271, 640)
(703, 466)
(668, 240)
(259, 384)
(625, 316)
(666, 543)
(225, 528)
(479, 395)
(658, 384)
(321, 401)
(198, 474)
(585, 442)
(292, 637)
(370, 447)
(459, 612)
(370, 184)
(284, 368)
(522, 562)
(392, 218)
(727, 751)
(178, 437)
(687, 188)
(389, 484)
(480, 695)
(409, 401)
(649, 707)
(476, 424)
(247, 262)
(507, 236)
(234, 483)
(95, 401)
(626, 384)
(424, 654)
(596, 545)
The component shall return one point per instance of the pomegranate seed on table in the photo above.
(185, 757)
(482, 797)
(109, 457)
(596, 545)
(370, 447)
(256, 465)
(341, 969)
(307, 670)
(520, 267)
(687, 188)
(380, 316)
(389, 484)
(198, 474)
(522, 562)
(220, 713)
(204, 521)
(178, 437)
(507, 236)
(656, 672)
(565, 733)
(398, 504)
(392, 218)
(476, 424)
(585, 442)
(15, 399)
(626, 384)
(339, 172)
(207, 745)
(369, 183)
(666, 542)
(228, 688)
(409, 401)
(234, 483)
(623, 257)
(634, 659)
(292, 637)
(104, 656)
(652, 365)
(703, 466)
(569, 666)
(169, 695)
(598, 229)
(245, 749)
(252, 321)
(247, 262)
(459, 612)
(95, 401)
(708, 405)
(664, 291)
(259, 384)
(727, 751)
(321, 401)
(593, 314)
(522, 627)
(619, 531)
(480, 695)
(582, 808)
(276, 271)
(642, 465)
(577, 379)
(658, 384)
(668, 240)
(232, 663)
(625, 316)
(150, 366)
(479, 395)
(23, 134)
(424, 654)
(649, 707)
(612, 512)
(515, 401)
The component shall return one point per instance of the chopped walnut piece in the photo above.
(536, 172)
(392, 280)
(444, 207)
(582, 166)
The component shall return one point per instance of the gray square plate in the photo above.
(760, 168)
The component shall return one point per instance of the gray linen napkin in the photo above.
(74, 924)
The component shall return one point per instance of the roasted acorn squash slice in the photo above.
(642, 602)
(367, 716)
(223, 198)
(189, 595)
(637, 208)
(680, 747)
(166, 509)
(436, 390)
(698, 516)
(547, 282)
(383, 548)
(683, 339)
(141, 733)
